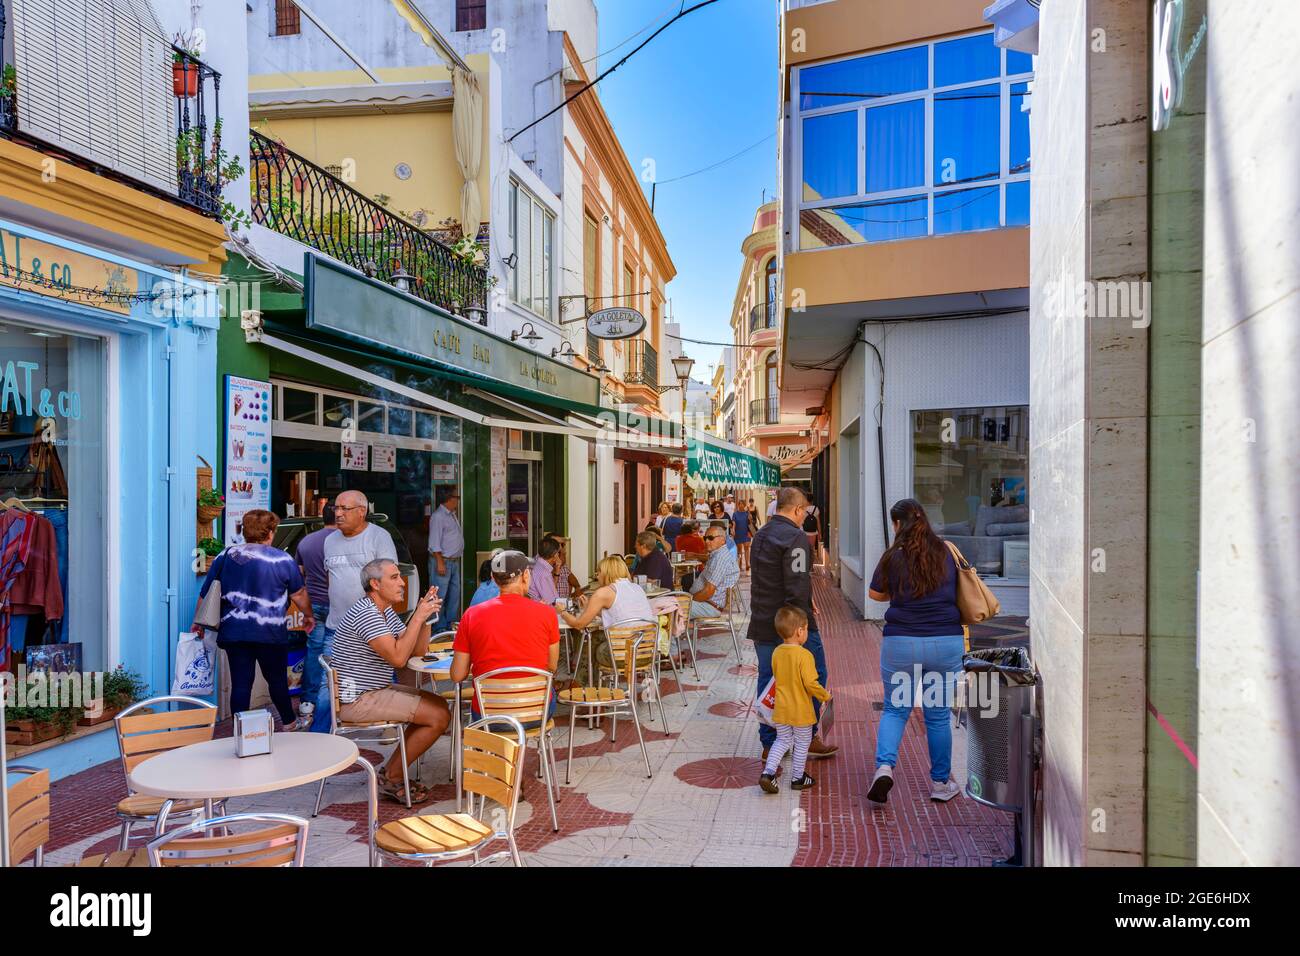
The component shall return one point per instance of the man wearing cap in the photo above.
(510, 630)
(446, 545)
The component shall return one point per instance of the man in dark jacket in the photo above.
(780, 567)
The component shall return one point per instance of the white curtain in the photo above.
(467, 130)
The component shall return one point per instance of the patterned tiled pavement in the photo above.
(702, 807)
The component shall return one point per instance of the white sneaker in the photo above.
(881, 784)
(943, 792)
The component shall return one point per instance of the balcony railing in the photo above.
(642, 364)
(97, 86)
(299, 199)
(765, 411)
(761, 317)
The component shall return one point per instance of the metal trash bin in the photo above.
(1001, 736)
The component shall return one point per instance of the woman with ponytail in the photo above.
(922, 647)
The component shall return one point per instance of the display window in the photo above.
(53, 496)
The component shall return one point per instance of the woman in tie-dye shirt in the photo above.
(258, 581)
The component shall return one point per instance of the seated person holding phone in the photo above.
(370, 643)
(510, 630)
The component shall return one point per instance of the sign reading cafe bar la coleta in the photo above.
(363, 309)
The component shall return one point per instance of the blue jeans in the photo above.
(766, 734)
(321, 721)
(449, 590)
(933, 663)
(311, 670)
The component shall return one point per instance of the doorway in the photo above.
(524, 510)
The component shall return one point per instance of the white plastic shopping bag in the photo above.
(195, 666)
(765, 702)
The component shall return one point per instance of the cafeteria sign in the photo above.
(716, 465)
(616, 323)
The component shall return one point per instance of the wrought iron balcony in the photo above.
(765, 411)
(299, 199)
(98, 86)
(642, 364)
(761, 317)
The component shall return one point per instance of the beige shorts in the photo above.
(396, 702)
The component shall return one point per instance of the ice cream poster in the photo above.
(247, 451)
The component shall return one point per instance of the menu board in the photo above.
(497, 474)
(248, 451)
(383, 458)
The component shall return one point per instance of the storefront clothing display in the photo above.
(15, 546)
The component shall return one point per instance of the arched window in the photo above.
(769, 284)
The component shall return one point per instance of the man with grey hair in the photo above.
(369, 644)
(355, 544)
(780, 560)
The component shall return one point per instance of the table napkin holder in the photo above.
(253, 729)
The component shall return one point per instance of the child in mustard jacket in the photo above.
(795, 673)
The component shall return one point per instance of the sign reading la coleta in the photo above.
(616, 323)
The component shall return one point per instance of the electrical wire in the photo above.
(721, 162)
(681, 13)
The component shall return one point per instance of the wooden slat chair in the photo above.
(144, 735)
(525, 695)
(115, 859)
(666, 626)
(644, 663)
(683, 599)
(636, 644)
(730, 608)
(28, 828)
(493, 771)
(281, 842)
(347, 728)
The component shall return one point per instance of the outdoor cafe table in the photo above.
(210, 771)
(440, 669)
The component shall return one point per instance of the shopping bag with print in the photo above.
(194, 667)
(765, 702)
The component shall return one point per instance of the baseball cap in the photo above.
(510, 564)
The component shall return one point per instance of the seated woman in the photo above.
(616, 599)
(487, 588)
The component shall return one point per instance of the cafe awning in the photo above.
(713, 461)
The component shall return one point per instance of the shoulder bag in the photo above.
(974, 600)
(209, 610)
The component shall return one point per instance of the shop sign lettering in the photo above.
(35, 266)
(615, 323)
(16, 394)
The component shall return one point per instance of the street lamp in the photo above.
(682, 365)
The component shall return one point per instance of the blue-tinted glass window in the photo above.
(879, 221)
(399, 421)
(830, 155)
(1018, 158)
(896, 146)
(966, 134)
(426, 425)
(1018, 203)
(1019, 63)
(964, 210)
(863, 78)
(966, 60)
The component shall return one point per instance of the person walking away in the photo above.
(354, 544)
(651, 560)
(795, 673)
(742, 535)
(672, 526)
(923, 639)
(780, 575)
(311, 561)
(812, 526)
(716, 578)
(371, 642)
(258, 581)
(771, 506)
(542, 584)
(446, 545)
(508, 631)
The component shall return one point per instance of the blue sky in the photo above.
(702, 90)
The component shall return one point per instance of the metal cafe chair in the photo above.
(493, 771)
(146, 729)
(524, 695)
(282, 842)
(346, 728)
(683, 599)
(731, 606)
(634, 649)
(28, 828)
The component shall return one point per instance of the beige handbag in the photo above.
(974, 600)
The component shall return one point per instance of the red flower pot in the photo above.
(185, 79)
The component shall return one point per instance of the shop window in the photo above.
(970, 472)
(370, 417)
(298, 406)
(399, 420)
(53, 485)
(426, 426)
(339, 412)
(449, 430)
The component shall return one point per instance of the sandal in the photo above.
(397, 793)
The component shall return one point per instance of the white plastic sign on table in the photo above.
(210, 770)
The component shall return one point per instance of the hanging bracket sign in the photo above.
(617, 323)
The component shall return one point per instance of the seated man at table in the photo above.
(487, 588)
(370, 642)
(690, 544)
(541, 586)
(508, 631)
(651, 561)
(566, 582)
(720, 572)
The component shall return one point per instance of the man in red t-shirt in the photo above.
(510, 630)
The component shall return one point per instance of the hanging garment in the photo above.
(39, 588)
(16, 530)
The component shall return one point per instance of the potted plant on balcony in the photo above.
(185, 65)
(204, 172)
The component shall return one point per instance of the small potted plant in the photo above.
(211, 504)
(25, 726)
(210, 547)
(185, 65)
(122, 688)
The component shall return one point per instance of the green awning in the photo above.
(712, 461)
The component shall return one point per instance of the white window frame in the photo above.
(928, 189)
(317, 430)
(523, 271)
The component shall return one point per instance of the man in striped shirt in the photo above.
(369, 643)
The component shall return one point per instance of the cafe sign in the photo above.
(715, 465)
(617, 323)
